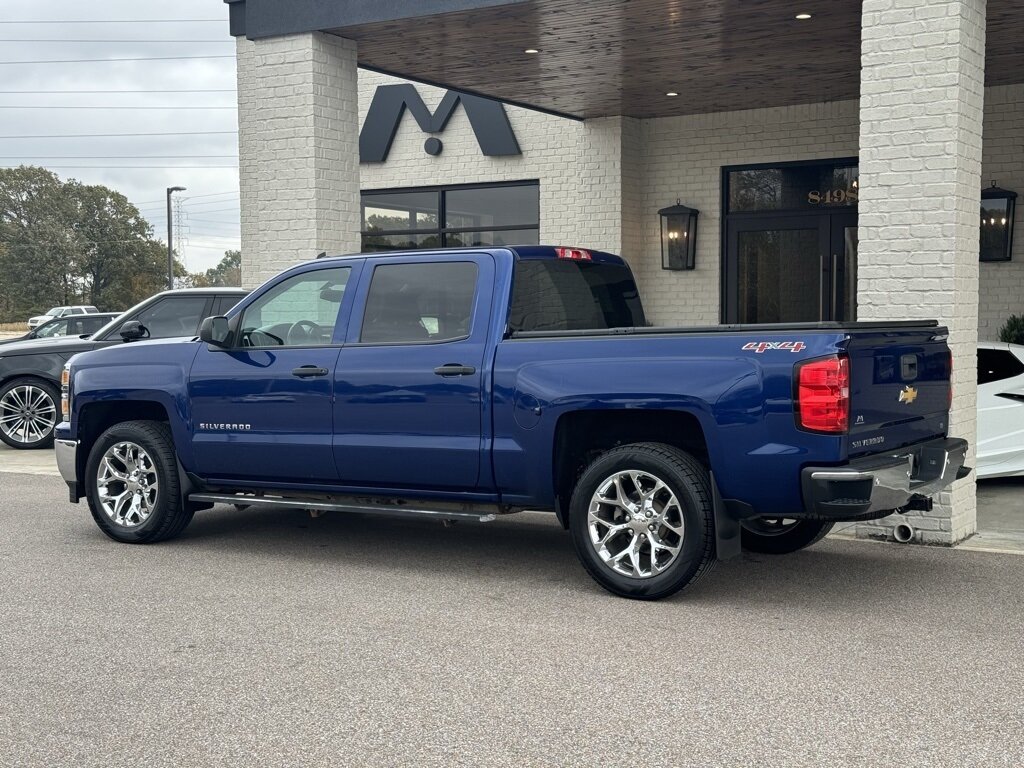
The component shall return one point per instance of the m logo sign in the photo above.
(488, 119)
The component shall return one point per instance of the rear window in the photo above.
(997, 364)
(562, 295)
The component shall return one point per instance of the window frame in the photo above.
(340, 319)
(167, 299)
(355, 329)
(441, 230)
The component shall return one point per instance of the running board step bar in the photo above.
(390, 507)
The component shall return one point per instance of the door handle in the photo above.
(454, 369)
(835, 286)
(309, 371)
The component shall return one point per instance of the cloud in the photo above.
(211, 219)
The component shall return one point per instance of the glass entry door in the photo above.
(791, 269)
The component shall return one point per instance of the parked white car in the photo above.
(54, 312)
(1000, 410)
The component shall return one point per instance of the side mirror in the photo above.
(215, 331)
(132, 330)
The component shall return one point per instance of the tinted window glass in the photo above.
(997, 364)
(491, 207)
(223, 304)
(798, 187)
(452, 217)
(71, 326)
(501, 237)
(83, 325)
(302, 311)
(373, 243)
(396, 211)
(410, 303)
(173, 316)
(557, 295)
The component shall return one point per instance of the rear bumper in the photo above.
(884, 483)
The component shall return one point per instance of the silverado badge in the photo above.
(908, 394)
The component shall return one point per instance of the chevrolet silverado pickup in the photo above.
(469, 384)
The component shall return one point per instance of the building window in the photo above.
(452, 217)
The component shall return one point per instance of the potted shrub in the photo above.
(1013, 330)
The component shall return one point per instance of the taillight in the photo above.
(950, 404)
(823, 394)
(576, 254)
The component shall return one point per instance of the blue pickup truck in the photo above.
(468, 384)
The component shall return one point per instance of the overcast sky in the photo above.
(211, 203)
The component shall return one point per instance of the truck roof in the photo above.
(523, 252)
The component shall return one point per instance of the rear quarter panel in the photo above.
(743, 400)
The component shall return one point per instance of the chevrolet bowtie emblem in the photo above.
(908, 394)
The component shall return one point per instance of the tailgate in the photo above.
(899, 388)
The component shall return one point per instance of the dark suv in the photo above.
(30, 370)
(69, 325)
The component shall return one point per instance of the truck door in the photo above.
(409, 388)
(261, 410)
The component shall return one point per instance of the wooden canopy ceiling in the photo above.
(612, 57)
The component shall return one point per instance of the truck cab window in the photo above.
(301, 311)
(559, 295)
(417, 303)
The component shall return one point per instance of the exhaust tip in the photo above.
(903, 532)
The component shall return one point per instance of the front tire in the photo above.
(781, 536)
(642, 521)
(28, 413)
(133, 486)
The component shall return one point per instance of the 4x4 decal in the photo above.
(763, 346)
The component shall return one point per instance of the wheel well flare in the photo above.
(582, 436)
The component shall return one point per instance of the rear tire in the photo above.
(774, 536)
(132, 484)
(642, 521)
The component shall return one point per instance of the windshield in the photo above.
(54, 311)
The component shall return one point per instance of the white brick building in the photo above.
(837, 161)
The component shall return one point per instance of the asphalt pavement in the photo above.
(268, 638)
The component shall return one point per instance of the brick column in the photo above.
(298, 146)
(922, 77)
(607, 188)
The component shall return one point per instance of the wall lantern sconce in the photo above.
(678, 236)
(997, 206)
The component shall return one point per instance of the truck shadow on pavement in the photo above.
(534, 550)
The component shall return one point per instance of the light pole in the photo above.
(170, 245)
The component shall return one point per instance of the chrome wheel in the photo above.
(635, 524)
(127, 484)
(27, 414)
